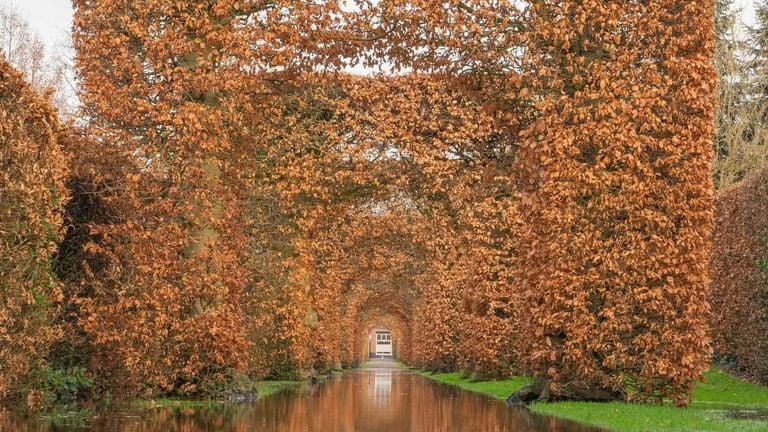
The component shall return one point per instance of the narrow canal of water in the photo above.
(367, 401)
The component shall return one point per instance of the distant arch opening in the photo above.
(380, 343)
(382, 336)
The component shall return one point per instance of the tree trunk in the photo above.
(541, 391)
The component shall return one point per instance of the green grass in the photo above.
(497, 389)
(722, 388)
(177, 403)
(712, 401)
(397, 364)
(265, 388)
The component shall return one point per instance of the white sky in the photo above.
(747, 7)
(53, 18)
(747, 10)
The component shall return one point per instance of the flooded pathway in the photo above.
(378, 398)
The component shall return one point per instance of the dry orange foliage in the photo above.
(616, 197)
(740, 276)
(32, 196)
(173, 93)
(525, 187)
(402, 178)
(162, 84)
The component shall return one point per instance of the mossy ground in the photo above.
(714, 401)
(265, 389)
(373, 363)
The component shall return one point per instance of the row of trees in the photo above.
(740, 277)
(741, 145)
(526, 189)
(32, 193)
(44, 69)
(738, 266)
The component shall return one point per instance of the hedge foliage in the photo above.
(739, 267)
(616, 197)
(527, 191)
(33, 168)
(165, 312)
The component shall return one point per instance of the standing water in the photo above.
(367, 400)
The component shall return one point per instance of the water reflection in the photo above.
(370, 401)
(382, 387)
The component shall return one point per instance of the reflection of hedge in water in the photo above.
(352, 403)
(739, 292)
(32, 194)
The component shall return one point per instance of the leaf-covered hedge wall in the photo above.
(616, 197)
(739, 292)
(32, 196)
(525, 189)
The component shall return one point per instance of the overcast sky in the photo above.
(747, 8)
(52, 18)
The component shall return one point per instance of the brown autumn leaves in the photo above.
(32, 190)
(529, 192)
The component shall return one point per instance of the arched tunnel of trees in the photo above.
(406, 199)
(507, 188)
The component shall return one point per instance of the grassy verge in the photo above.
(497, 389)
(368, 364)
(265, 388)
(713, 403)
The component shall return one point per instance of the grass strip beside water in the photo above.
(713, 402)
(372, 364)
(265, 388)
